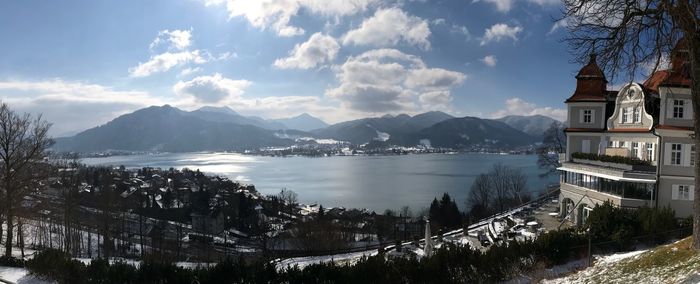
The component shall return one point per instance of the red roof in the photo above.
(590, 84)
(655, 80)
(678, 75)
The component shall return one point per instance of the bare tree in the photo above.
(406, 212)
(627, 35)
(23, 141)
(288, 198)
(501, 187)
(480, 196)
(553, 143)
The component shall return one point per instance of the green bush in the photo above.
(53, 264)
(559, 246)
(624, 226)
(610, 159)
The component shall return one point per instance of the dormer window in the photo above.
(678, 108)
(587, 116)
(626, 115)
(637, 115)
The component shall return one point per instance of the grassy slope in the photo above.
(672, 263)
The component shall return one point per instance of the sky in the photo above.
(82, 63)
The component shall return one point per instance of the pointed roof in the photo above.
(591, 70)
(591, 84)
(679, 73)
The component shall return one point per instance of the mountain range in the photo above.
(166, 128)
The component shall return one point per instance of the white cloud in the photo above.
(319, 49)
(211, 89)
(489, 60)
(517, 106)
(277, 14)
(166, 61)
(501, 5)
(546, 2)
(500, 31)
(72, 106)
(505, 6)
(438, 22)
(436, 100)
(387, 27)
(189, 71)
(462, 30)
(176, 39)
(563, 23)
(388, 80)
(226, 56)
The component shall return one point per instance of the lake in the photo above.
(373, 182)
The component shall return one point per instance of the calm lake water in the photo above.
(373, 182)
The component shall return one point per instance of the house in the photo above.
(211, 223)
(632, 147)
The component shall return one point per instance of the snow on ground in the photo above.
(672, 263)
(18, 275)
(382, 136)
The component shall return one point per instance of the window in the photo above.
(637, 115)
(692, 155)
(650, 152)
(587, 116)
(676, 154)
(682, 192)
(635, 149)
(586, 146)
(678, 106)
(624, 189)
(625, 115)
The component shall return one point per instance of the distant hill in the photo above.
(366, 130)
(467, 131)
(303, 122)
(225, 114)
(535, 125)
(166, 128)
(427, 119)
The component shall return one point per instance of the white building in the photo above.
(632, 147)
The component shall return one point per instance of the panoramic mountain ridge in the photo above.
(166, 128)
(534, 125)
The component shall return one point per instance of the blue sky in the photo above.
(82, 63)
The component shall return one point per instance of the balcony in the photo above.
(620, 162)
(617, 151)
(624, 181)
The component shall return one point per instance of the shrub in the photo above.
(623, 226)
(11, 261)
(610, 159)
(53, 264)
(557, 247)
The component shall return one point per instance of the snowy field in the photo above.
(18, 275)
(672, 263)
